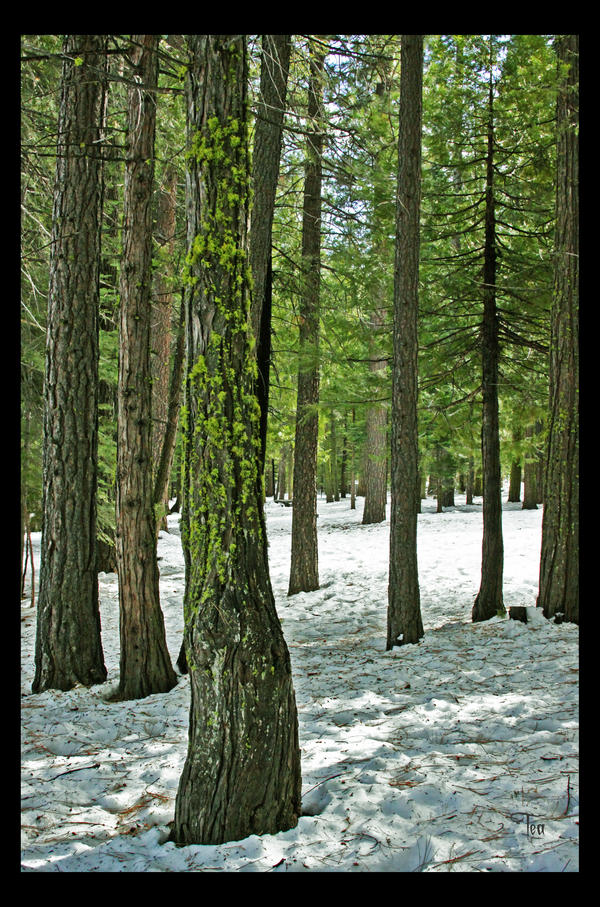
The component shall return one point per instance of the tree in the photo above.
(404, 624)
(145, 664)
(275, 62)
(559, 565)
(488, 602)
(304, 569)
(242, 770)
(68, 641)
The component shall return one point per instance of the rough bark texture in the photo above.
(68, 644)
(529, 477)
(304, 570)
(559, 567)
(275, 61)
(145, 664)
(242, 770)
(488, 602)
(404, 624)
(375, 480)
(161, 333)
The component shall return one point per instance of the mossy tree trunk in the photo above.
(404, 623)
(145, 663)
(559, 566)
(304, 569)
(242, 770)
(68, 643)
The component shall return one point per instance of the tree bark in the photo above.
(376, 439)
(242, 770)
(488, 602)
(275, 61)
(68, 640)
(404, 623)
(304, 570)
(145, 664)
(559, 565)
(161, 332)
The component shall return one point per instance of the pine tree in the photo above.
(304, 569)
(145, 665)
(559, 568)
(242, 770)
(68, 643)
(404, 623)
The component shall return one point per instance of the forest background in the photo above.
(361, 87)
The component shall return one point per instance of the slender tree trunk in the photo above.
(470, 483)
(529, 477)
(275, 62)
(488, 602)
(145, 664)
(376, 441)
(304, 570)
(160, 335)
(68, 643)
(559, 567)
(242, 770)
(167, 450)
(404, 624)
(514, 485)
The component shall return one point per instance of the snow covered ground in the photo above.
(458, 754)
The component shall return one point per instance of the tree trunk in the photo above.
(404, 623)
(242, 770)
(470, 483)
(529, 477)
(559, 567)
(68, 643)
(376, 440)
(145, 664)
(169, 437)
(488, 602)
(304, 569)
(275, 61)
(514, 485)
(160, 335)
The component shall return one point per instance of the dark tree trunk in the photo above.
(529, 477)
(304, 569)
(404, 623)
(242, 770)
(160, 334)
(559, 567)
(514, 485)
(167, 450)
(68, 644)
(275, 61)
(145, 664)
(488, 602)
(376, 440)
(470, 483)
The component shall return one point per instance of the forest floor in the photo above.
(456, 754)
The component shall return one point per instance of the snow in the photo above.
(456, 754)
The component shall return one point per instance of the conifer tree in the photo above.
(404, 623)
(68, 640)
(559, 567)
(145, 664)
(242, 770)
